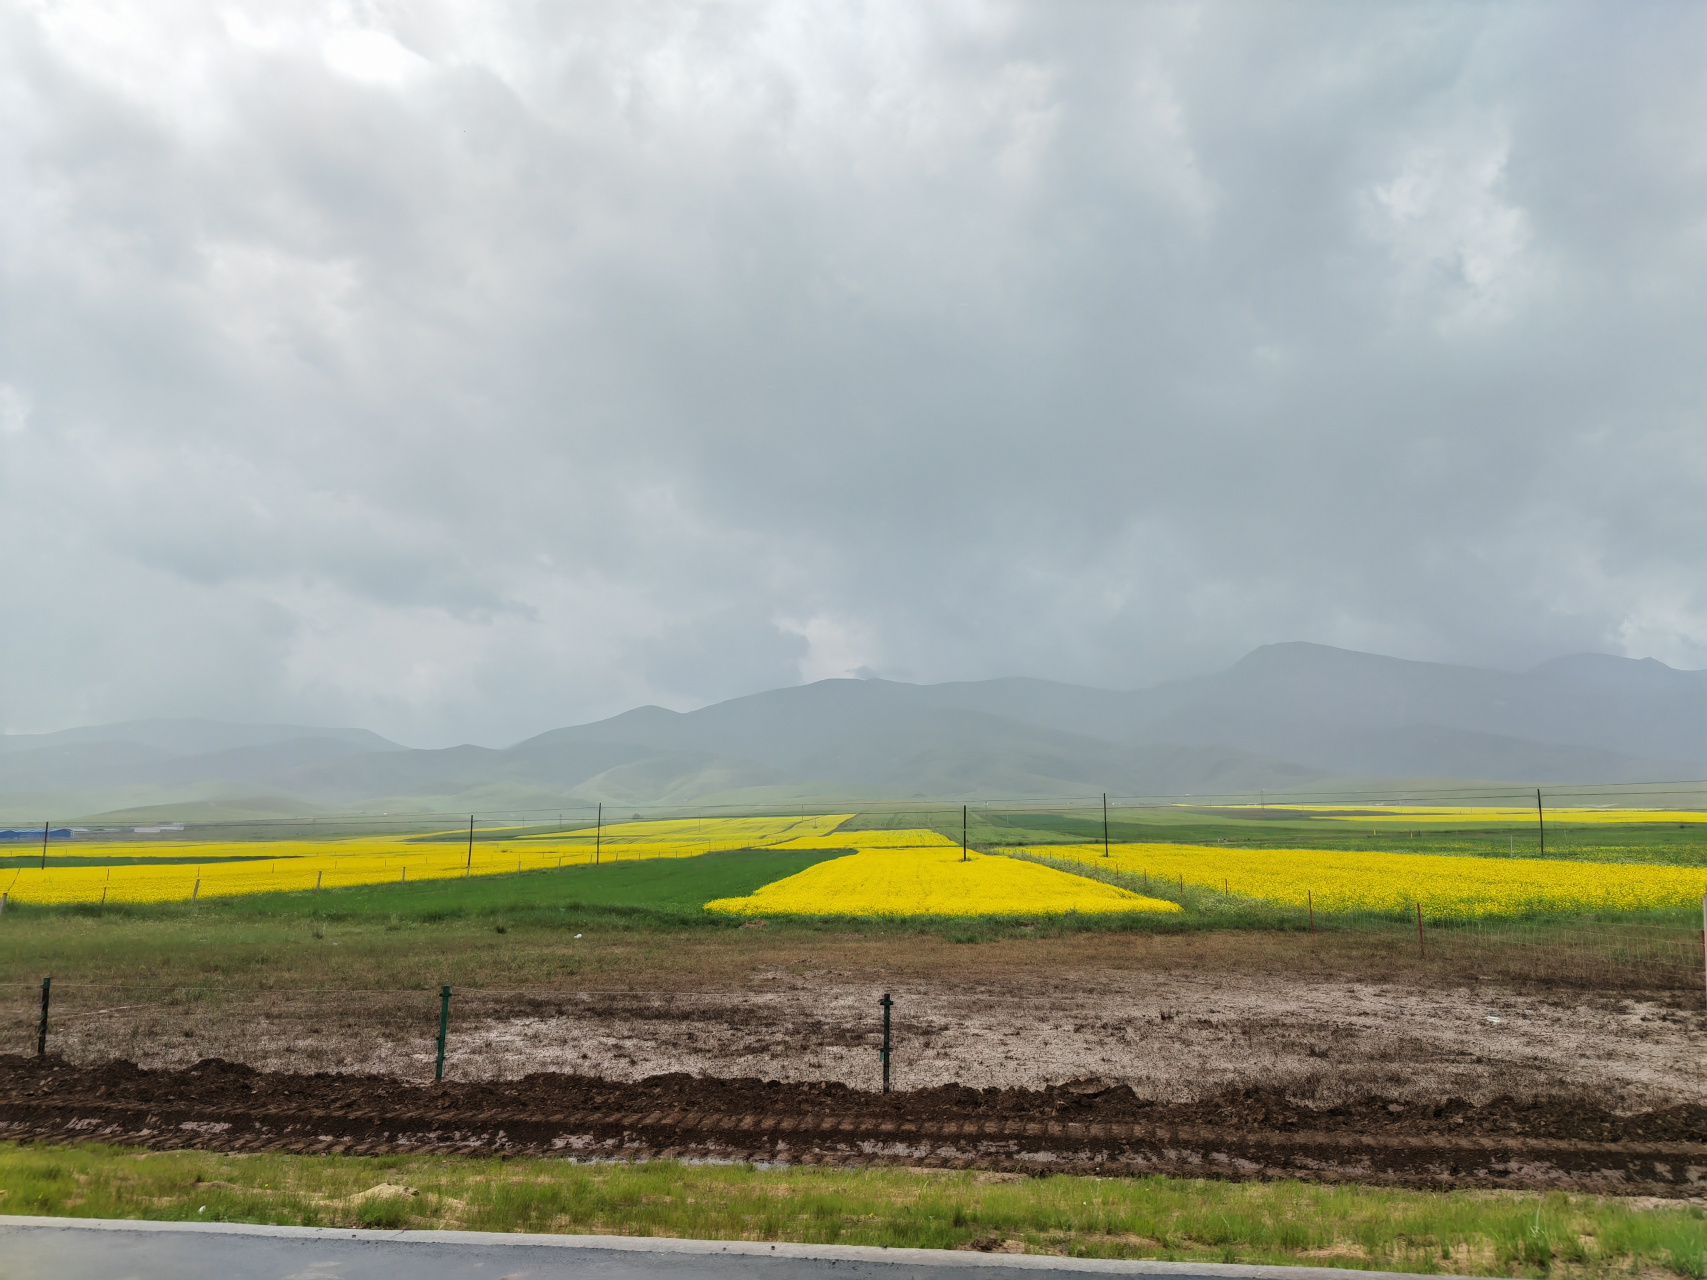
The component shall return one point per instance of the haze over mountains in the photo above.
(1286, 717)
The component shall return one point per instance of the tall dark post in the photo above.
(887, 1004)
(44, 846)
(470, 867)
(1540, 822)
(444, 1028)
(598, 833)
(962, 842)
(46, 983)
(1105, 824)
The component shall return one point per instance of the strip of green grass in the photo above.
(1168, 1218)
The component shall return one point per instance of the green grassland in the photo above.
(1174, 1219)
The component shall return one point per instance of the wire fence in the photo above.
(499, 1033)
(493, 1033)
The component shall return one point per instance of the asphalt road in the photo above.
(94, 1249)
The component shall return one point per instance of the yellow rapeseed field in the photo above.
(1446, 886)
(919, 873)
(905, 839)
(285, 865)
(1471, 816)
(682, 837)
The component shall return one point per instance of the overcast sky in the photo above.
(465, 370)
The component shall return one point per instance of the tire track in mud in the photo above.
(1081, 1127)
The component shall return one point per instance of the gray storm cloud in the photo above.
(465, 370)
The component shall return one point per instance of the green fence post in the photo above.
(444, 1027)
(41, 1027)
(887, 1004)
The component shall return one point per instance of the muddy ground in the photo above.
(1084, 1125)
(1237, 1054)
(1172, 1036)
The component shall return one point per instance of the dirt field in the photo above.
(1178, 1021)
(1238, 1054)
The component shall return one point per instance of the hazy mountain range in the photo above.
(1286, 717)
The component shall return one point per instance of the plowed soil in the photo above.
(1085, 1125)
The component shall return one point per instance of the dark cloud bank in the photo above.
(472, 370)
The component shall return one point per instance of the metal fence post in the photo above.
(887, 1004)
(444, 1027)
(41, 1027)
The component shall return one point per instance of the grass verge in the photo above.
(1511, 1234)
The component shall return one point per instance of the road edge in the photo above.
(750, 1248)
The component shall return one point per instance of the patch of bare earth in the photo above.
(1173, 1035)
(1238, 1055)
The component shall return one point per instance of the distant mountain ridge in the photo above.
(1279, 718)
(196, 737)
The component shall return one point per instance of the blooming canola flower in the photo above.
(181, 870)
(1445, 885)
(924, 875)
